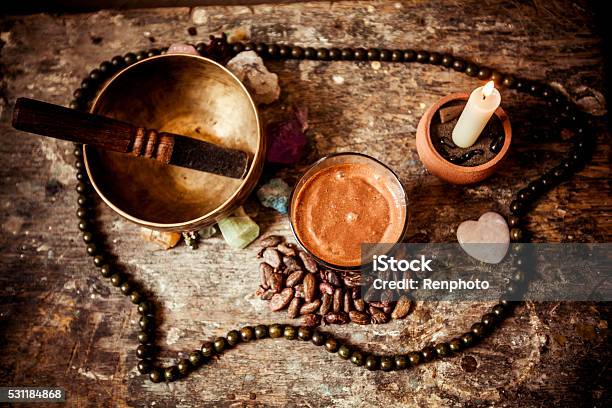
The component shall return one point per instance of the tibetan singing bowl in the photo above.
(187, 95)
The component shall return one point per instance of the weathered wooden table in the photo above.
(62, 325)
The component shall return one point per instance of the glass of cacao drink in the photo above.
(345, 200)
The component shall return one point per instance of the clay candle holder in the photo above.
(442, 167)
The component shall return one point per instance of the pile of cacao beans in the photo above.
(292, 280)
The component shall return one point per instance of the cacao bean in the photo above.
(280, 300)
(359, 317)
(371, 295)
(286, 250)
(373, 309)
(337, 318)
(308, 261)
(272, 257)
(359, 305)
(293, 310)
(332, 277)
(348, 302)
(387, 309)
(299, 290)
(295, 278)
(323, 276)
(352, 279)
(387, 297)
(291, 263)
(267, 295)
(326, 302)
(264, 274)
(326, 287)
(378, 317)
(310, 287)
(271, 241)
(311, 320)
(276, 282)
(311, 307)
(402, 308)
(338, 300)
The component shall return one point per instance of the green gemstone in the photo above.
(239, 230)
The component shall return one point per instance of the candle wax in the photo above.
(475, 115)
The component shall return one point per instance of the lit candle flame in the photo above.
(488, 89)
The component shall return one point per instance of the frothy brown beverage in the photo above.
(345, 205)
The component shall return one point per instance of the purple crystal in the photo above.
(286, 139)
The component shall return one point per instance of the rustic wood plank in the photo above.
(60, 324)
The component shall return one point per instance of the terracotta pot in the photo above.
(442, 168)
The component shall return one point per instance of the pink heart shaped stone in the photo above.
(487, 239)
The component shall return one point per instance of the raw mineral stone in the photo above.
(166, 240)
(286, 139)
(207, 232)
(199, 15)
(275, 194)
(261, 83)
(239, 230)
(179, 48)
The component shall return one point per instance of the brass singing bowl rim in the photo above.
(233, 201)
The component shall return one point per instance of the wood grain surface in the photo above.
(62, 325)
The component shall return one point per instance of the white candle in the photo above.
(479, 108)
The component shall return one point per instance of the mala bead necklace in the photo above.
(220, 50)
